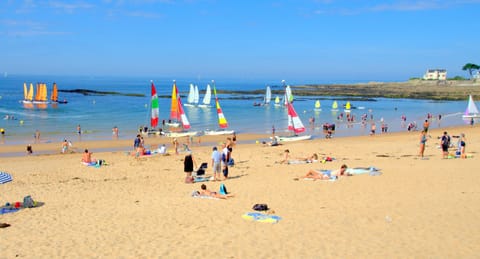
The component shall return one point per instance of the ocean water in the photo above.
(97, 115)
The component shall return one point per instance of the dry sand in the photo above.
(140, 208)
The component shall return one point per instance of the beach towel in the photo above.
(196, 194)
(5, 177)
(201, 179)
(261, 217)
(362, 170)
(5, 210)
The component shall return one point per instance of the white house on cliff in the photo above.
(435, 74)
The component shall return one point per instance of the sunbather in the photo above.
(327, 175)
(204, 191)
(87, 157)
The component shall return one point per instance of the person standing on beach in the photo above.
(472, 122)
(423, 140)
(445, 143)
(175, 145)
(115, 132)
(216, 164)
(79, 129)
(225, 159)
(426, 124)
(37, 136)
(136, 142)
(372, 129)
(64, 146)
(188, 165)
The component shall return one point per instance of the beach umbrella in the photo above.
(5, 178)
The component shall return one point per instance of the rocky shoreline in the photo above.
(412, 89)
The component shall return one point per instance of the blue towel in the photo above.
(8, 210)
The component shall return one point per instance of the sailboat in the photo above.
(277, 101)
(222, 121)
(348, 107)
(191, 97)
(268, 96)
(317, 106)
(288, 95)
(28, 96)
(207, 98)
(41, 96)
(294, 124)
(334, 106)
(177, 114)
(472, 111)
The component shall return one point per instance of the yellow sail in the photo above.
(174, 111)
(335, 105)
(25, 92)
(317, 104)
(348, 106)
(43, 97)
(37, 93)
(54, 96)
(30, 93)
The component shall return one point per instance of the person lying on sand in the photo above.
(206, 192)
(327, 175)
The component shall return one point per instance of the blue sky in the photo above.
(316, 40)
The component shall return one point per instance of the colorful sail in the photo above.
(54, 96)
(334, 105)
(294, 122)
(472, 109)
(222, 121)
(155, 109)
(317, 105)
(174, 114)
(288, 95)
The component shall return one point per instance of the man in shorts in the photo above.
(216, 163)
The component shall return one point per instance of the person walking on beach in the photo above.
(225, 159)
(423, 140)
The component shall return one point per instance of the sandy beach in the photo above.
(141, 208)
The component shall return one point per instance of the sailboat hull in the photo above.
(218, 132)
(470, 116)
(181, 134)
(292, 138)
(205, 106)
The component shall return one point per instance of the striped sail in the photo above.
(222, 121)
(174, 114)
(154, 106)
(294, 122)
(182, 116)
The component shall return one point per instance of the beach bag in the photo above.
(28, 202)
(223, 189)
(260, 207)
(231, 162)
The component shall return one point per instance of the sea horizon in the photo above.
(97, 115)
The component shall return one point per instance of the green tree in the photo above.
(470, 67)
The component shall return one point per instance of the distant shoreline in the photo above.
(450, 90)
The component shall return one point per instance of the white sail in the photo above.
(207, 98)
(268, 95)
(472, 110)
(191, 96)
(196, 97)
(289, 95)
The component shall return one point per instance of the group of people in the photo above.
(221, 160)
(445, 144)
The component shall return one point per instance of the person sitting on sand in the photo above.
(206, 192)
(87, 157)
(311, 159)
(286, 157)
(327, 175)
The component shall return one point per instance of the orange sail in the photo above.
(54, 96)
(174, 112)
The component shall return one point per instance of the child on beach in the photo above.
(423, 140)
(206, 192)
